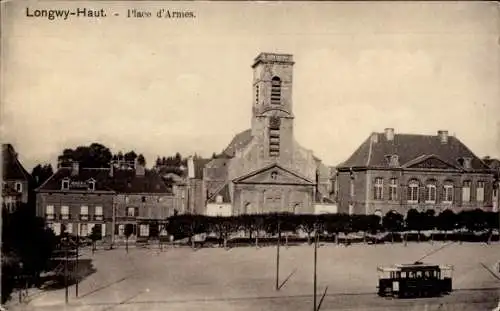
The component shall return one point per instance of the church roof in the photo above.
(408, 147)
(239, 141)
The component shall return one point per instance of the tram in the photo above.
(414, 280)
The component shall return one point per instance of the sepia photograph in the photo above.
(250, 156)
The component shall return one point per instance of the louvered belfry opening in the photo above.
(276, 91)
(274, 136)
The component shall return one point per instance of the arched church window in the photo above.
(276, 91)
(274, 175)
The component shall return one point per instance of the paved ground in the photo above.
(244, 279)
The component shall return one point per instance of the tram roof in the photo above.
(414, 266)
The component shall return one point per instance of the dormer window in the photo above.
(65, 184)
(218, 199)
(467, 163)
(91, 185)
(392, 160)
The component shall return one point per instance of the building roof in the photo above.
(492, 163)
(127, 181)
(239, 141)
(100, 176)
(122, 181)
(374, 150)
(12, 169)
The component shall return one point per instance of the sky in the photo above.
(160, 86)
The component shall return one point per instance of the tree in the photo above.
(307, 223)
(446, 221)
(223, 227)
(96, 155)
(141, 160)
(26, 241)
(130, 156)
(335, 223)
(414, 222)
(393, 222)
(41, 173)
(429, 221)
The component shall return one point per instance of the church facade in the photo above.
(264, 169)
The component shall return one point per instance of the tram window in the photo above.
(392, 275)
(419, 274)
(403, 275)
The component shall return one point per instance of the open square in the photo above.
(244, 278)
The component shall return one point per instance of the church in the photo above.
(263, 169)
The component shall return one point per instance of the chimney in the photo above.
(75, 168)
(443, 136)
(140, 170)
(190, 167)
(374, 138)
(389, 134)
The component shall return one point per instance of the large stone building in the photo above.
(403, 171)
(263, 169)
(79, 199)
(15, 179)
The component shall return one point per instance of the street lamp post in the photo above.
(278, 256)
(315, 262)
(76, 261)
(21, 276)
(66, 293)
(113, 224)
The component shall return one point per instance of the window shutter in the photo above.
(117, 230)
(136, 213)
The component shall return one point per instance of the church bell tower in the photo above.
(272, 113)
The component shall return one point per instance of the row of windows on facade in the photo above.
(10, 203)
(430, 191)
(84, 211)
(144, 230)
(82, 229)
(85, 229)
